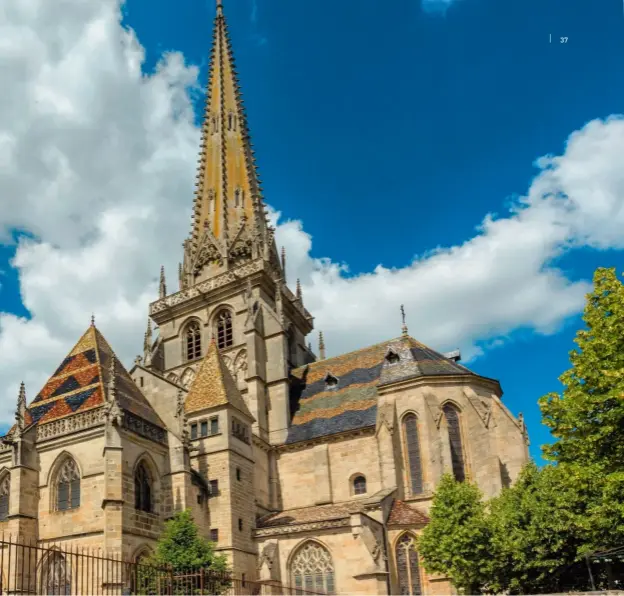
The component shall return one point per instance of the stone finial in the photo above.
(310, 347)
(180, 276)
(299, 293)
(162, 287)
(20, 412)
(147, 344)
(138, 360)
(284, 262)
(321, 346)
(112, 410)
(92, 320)
(404, 327)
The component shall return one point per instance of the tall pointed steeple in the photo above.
(228, 223)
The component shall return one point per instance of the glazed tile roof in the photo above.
(403, 514)
(214, 385)
(304, 515)
(78, 385)
(319, 410)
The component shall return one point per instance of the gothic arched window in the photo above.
(142, 489)
(5, 492)
(312, 569)
(68, 486)
(56, 575)
(408, 573)
(193, 340)
(412, 453)
(454, 433)
(359, 485)
(224, 329)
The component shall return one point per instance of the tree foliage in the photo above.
(456, 541)
(535, 535)
(587, 419)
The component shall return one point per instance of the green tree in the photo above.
(182, 561)
(587, 418)
(456, 543)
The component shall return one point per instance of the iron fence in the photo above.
(68, 569)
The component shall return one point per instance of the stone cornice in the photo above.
(418, 381)
(304, 527)
(350, 434)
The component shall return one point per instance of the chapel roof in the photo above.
(320, 409)
(79, 383)
(404, 514)
(214, 386)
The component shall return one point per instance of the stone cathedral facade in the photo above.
(307, 471)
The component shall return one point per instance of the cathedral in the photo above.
(306, 471)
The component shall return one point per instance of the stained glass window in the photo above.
(193, 340)
(312, 569)
(142, 489)
(359, 485)
(56, 575)
(224, 329)
(457, 452)
(412, 447)
(5, 491)
(68, 486)
(408, 572)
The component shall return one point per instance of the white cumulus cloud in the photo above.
(97, 163)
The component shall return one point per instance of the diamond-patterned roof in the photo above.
(214, 385)
(78, 385)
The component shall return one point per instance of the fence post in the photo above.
(201, 581)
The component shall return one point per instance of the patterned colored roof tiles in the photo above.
(319, 409)
(214, 385)
(78, 385)
(403, 514)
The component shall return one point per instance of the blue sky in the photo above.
(391, 129)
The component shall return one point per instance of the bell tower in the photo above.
(232, 283)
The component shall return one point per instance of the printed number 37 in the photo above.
(563, 40)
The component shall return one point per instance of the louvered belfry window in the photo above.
(193, 341)
(412, 447)
(457, 450)
(68, 487)
(5, 491)
(224, 329)
(407, 565)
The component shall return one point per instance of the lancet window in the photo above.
(5, 492)
(193, 340)
(412, 453)
(142, 489)
(408, 572)
(312, 569)
(455, 440)
(224, 329)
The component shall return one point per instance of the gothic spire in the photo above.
(162, 288)
(20, 412)
(321, 346)
(228, 205)
(147, 344)
(284, 263)
(299, 292)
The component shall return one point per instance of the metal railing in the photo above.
(69, 569)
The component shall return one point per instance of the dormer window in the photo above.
(392, 357)
(331, 382)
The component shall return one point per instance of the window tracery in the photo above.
(56, 576)
(412, 452)
(142, 489)
(193, 340)
(187, 377)
(68, 486)
(451, 415)
(5, 492)
(312, 569)
(408, 571)
(224, 329)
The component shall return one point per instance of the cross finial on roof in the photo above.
(404, 327)
(92, 320)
